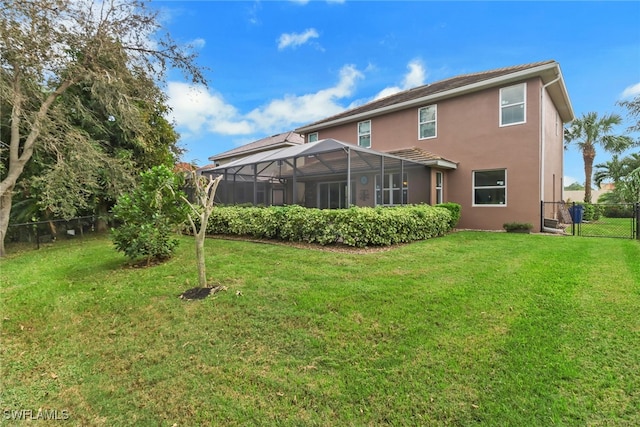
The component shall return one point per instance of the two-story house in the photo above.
(491, 141)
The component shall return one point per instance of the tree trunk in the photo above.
(588, 155)
(5, 212)
(101, 218)
(202, 268)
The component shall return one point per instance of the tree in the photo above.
(634, 112)
(576, 186)
(611, 170)
(149, 216)
(200, 211)
(589, 131)
(56, 47)
(624, 174)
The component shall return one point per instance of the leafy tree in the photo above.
(611, 170)
(622, 172)
(576, 186)
(589, 131)
(634, 112)
(150, 216)
(52, 48)
(630, 187)
(200, 211)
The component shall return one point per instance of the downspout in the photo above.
(348, 177)
(542, 149)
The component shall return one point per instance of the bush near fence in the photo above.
(356, 226)
(618, 211)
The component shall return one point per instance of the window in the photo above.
(313, 137)
(364, 134)
(490, 187)
(512, 105)
(394, 191)
(333, 195)
(427, 122)
(439, 178)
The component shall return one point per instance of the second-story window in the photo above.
(364, 134)
(513, 105)
(427, 122)
(313, 137)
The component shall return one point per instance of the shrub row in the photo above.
(357, 226)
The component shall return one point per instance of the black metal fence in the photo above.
(34, 234)
(620, 220)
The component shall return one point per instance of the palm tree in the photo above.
(611, 170)
(589, 131)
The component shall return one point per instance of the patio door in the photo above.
(333, 195)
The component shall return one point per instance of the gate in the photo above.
(592, 220)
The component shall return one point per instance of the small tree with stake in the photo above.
(201, 208)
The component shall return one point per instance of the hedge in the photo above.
(356, 226)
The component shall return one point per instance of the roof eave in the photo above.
(441, 163)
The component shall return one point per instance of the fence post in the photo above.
(37, 236)
(572, 215)
(541, 216)
(637, 221)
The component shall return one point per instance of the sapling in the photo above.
(201, 208)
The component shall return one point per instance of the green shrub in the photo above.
(149, 216)
(618, 211)
(591, 212)
(353, 227)
(517, 226)
(455, 209)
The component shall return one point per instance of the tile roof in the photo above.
(268, 143)
(415, 154)
(428, 90)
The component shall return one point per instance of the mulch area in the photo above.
(200, 293)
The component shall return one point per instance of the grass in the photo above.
(473, 328)
(608, 227)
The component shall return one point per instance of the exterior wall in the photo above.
(469, 132)
(553, 157)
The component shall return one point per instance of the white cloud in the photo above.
(294, 40)
(415, 77)
(568, 180)
(631, 91)
(292, 109)
(196, 110)
(197, 43)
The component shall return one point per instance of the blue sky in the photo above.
(273, 66)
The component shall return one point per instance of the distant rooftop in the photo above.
(268, 143)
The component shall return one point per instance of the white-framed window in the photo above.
(313, 137)
(427, 122)
(439, 185)
(513, 101)
(394, 190)
(364, 134)
(490, 187)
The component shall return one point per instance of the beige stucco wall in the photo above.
(469, 132)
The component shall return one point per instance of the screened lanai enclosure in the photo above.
(327, 174)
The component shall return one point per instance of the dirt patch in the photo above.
(200, 293)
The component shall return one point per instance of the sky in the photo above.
(273, 66)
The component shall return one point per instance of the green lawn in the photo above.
(479, 328)
(608, 227)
